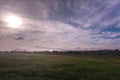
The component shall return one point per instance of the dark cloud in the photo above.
(37, 32)
(19, 38)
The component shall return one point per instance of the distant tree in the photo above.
(117, 52)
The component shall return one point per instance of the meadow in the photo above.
(58, 67)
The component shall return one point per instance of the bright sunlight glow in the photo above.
(13, 21)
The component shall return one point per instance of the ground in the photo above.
(58, 67)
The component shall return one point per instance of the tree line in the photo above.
(92, 52)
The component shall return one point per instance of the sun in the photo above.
(13, 21)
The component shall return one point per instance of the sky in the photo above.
(61, 25)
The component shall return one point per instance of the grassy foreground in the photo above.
(58, 67)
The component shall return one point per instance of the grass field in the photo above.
(58, 67)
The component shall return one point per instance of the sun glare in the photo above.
(13, 21)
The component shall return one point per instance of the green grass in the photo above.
(58, 67)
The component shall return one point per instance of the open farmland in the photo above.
(58, 67)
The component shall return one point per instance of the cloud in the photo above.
(19, 38)
(62, 24)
